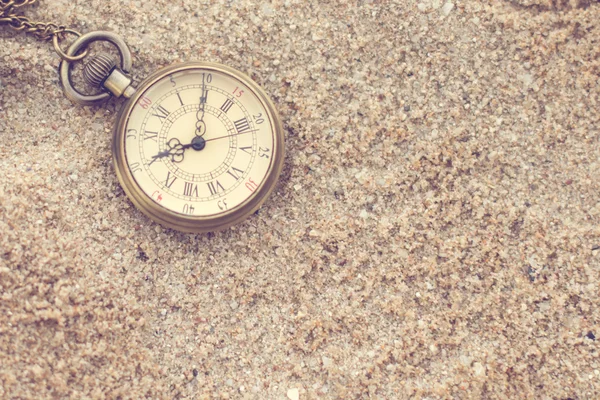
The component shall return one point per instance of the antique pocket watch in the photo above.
(197, 146)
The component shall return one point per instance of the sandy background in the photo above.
(434, 233)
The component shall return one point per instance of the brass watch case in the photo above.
(186, 223)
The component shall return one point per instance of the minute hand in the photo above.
(235, 134)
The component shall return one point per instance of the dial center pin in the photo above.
(198, 143)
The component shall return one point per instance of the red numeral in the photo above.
(157, 195)
(238, 92)
(145, 103)
(251, 185)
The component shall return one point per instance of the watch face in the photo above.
(198, 147)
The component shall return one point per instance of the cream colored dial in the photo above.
(200, 143)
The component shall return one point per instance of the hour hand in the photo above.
(175, 151)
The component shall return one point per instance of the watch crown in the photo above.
(98, 69)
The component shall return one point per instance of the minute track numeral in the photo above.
(264, 153)
(135, 167)
(242, 125)
(215, 187)
(162, 113)
(227, 106)
(190, 189)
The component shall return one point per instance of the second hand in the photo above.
(235, 134)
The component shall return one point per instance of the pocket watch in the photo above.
(197, 146)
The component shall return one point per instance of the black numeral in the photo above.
(190, 189)
(236, 173)
(188, 209)
(247, 150)
(258, 119)
(150, 135)
(135, 167)
(179, 97)
(264, 153)
(215, 187)
(242, 125)
(161, 113)
(226, 106)
(170, 181)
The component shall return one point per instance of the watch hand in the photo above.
(234, 134)
(200, 124)
(203, 98)
(176, 150)
(160, 155)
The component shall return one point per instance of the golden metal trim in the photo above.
(80, 43)
(61, 53)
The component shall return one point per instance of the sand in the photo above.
(434, 235)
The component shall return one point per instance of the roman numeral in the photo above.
(247, 149)
(161, 113)
(236, 173)
(215, 187)
(169, 182)
(226, 106)
(150, 135)
(179, 97)
(242, 125)
(204, 97)
(190, 189)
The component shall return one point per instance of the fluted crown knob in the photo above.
(97, 69)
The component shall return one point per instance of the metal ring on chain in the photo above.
(62, 53)
(81, 43)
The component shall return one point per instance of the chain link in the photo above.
(41, 30)
(18, 22)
